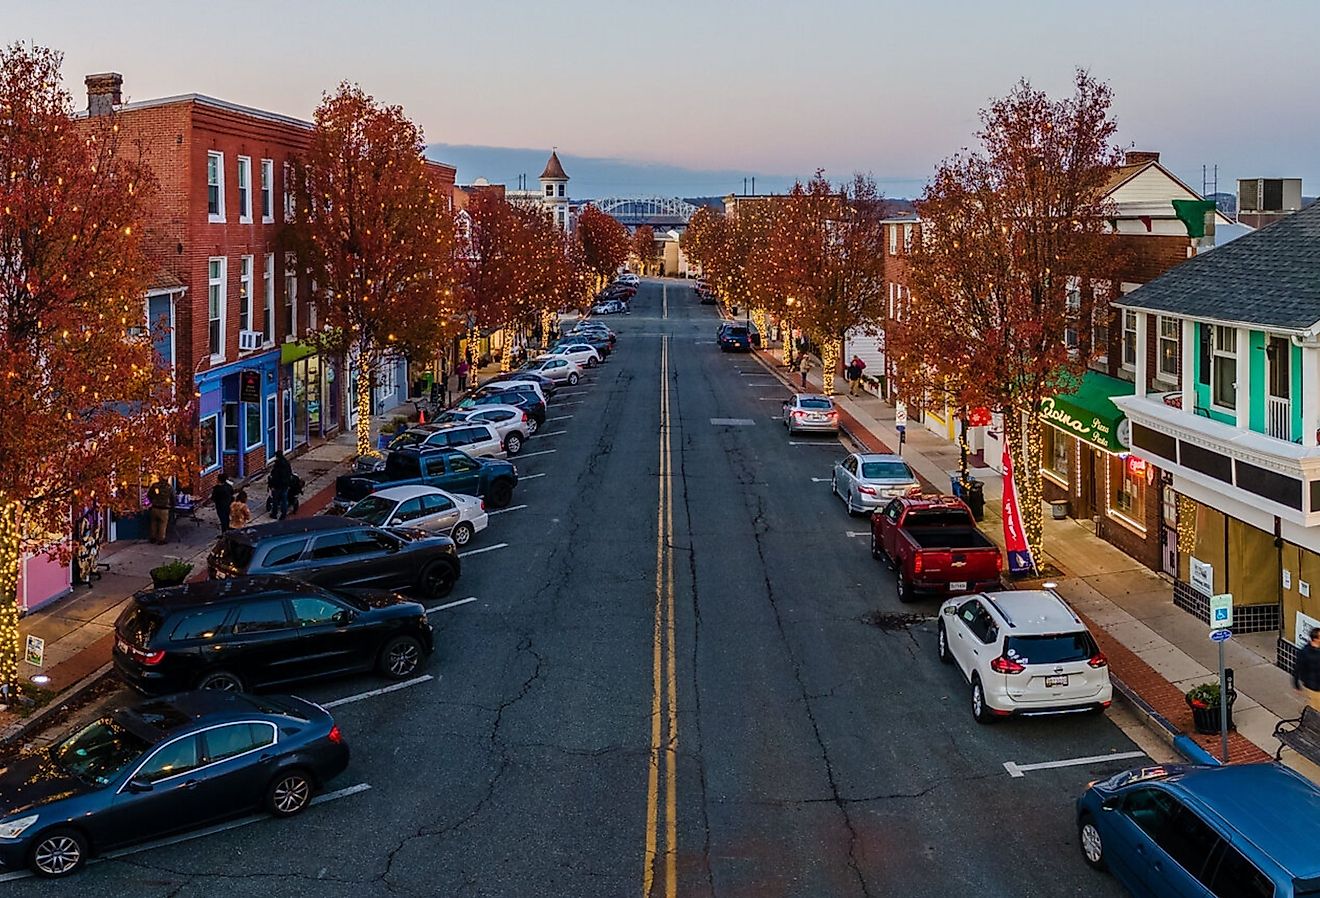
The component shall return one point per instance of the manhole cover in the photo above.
(892, 621)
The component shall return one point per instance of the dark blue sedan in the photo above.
(168, 765)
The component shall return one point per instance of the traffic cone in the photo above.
(421, 416)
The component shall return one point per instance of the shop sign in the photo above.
(249, 385)
(979, 417)
(1090, 429)
(1136, 467)
(35, 651)
(1203, 576)
(1305, 624)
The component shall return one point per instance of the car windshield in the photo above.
(886, 470)
(814, 403)
(408, 438)
(1055, 648)
(373, 510)
(98, 752)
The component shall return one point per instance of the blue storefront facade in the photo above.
(238, 415)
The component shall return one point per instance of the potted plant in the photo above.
(1204, 700)
(172, 573)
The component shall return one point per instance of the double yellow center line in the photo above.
(664, 698)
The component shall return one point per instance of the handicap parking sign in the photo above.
(1221, 611)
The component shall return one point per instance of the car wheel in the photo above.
(400, 658)
(513, 444)
(461, 534)
(438, 580)
(58, 852)
(289, 793)
(221, 681)
(572, 379)
(980, 710)
(1093, 847)
(592, 363)
(531, 426)
(942, 646)
(852, 511)
(904, 588)
(500, 494)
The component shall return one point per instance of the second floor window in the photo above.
(549, 190)
(244, 189)
(893, 240)
(290, 296)
(1170, 337)
(245, 293)
(1129, 339)
(268, 299)
(215, 186)
(1223, 380)
(1072, 304)
(215, 296)
(267, 190)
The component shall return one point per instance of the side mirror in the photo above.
(342, 617)
(950, 611)
(137, 785)
(1112, 803)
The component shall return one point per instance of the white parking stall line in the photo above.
(755, 374)
(552, 433)
(824, 444)
(851, 533)
(349, 699)
(1018, 771)
(530, 454)
(448, 605)
(483, 549)
(560, 418)
(201, 833)
(523, 477)
(573, 392)
(821, 479)
(569, 402)
(771, 398)
(503, 510)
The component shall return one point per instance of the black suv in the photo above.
(335, 551)
(253, 632)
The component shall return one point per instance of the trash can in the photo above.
(1059, 509)
(974, 495)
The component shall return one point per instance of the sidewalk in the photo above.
(79, 628)
(1156, 651)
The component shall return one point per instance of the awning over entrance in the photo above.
(292, 352)
(1089, 414)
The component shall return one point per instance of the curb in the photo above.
(18, 731)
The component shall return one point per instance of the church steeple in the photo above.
(554, 189)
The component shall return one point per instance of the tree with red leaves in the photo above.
(605, 242)
(1006, 233)
(88, 408)
(643, 247)
(376, 233)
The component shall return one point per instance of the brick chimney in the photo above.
(1140, 157)
(104, 92)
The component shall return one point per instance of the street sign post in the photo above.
(1221, 622)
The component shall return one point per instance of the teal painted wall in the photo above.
(1295, 389)
(1203, 394)
(1257, 408)
(1259, 385)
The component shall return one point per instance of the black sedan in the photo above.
(523, 399)
(169, 765)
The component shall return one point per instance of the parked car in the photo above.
(609, 307)
(810, 412)
(524, 384)
(523, 399)
(1023, 652)
(866, 481)
(628, 278)
(557, 369)
(476, 438)
(165, 766)
(735, 336)
(512, 424)
(598, 340)
(584, 355)
(589, 326)
(424, 508)
(339, 552)
(449, 469)
(617, 291)
(933, 545)
(548, 386)
(1194, 831)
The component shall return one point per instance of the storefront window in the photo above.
(1055, 448)
(231, 427)
(252, 433)
(1127, 487)
(208, 438)
(310, 381)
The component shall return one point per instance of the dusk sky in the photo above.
(767, 87)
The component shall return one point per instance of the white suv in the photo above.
(1023, 652)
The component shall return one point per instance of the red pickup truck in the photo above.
(933, 546)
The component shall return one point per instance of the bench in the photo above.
(1301, 734)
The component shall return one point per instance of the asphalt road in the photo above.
(670, 678)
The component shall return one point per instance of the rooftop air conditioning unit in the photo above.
(249, 340)
(1269, 194)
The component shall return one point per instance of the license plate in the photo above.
(815, 417)
(1060, 680)
(958, 585)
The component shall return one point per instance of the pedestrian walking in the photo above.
(281, 478)
(1306, 672)
(160, 496)
(804, 366)
(222, 494)
(240, 515)
(855, 369)
(462, 371)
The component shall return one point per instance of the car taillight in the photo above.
(914, 490)
(153, 658)
(869, 490)
(524, 418)
(335, 736)
(999, 562)
(1098, 660)
(1005, 665)
(483, 503)
(917, 564)
(798, 413)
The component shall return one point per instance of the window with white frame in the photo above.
(268, 299)
(244, 190)
(907, 238)
(288, 192)
(208, 439)
(561, 189)
(549, 190)
(251, 425)
(245, 293)
(1129, 338)
(267, 190)
(893, 240)
(1223, 379)
(215, 186)
(215, 305)
(1169, 356)
(290, 296)
(1072, 304)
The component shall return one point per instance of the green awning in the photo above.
(1193, 214)
(1088, 414)
(292, 352)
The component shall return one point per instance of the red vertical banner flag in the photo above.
(1015, 536)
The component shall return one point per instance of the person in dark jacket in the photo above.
(281, 478)
(1306, 673)
(160, 496)
(222, 494)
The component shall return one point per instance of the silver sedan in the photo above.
(810, 412)
(867, 481)
(425, 508)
